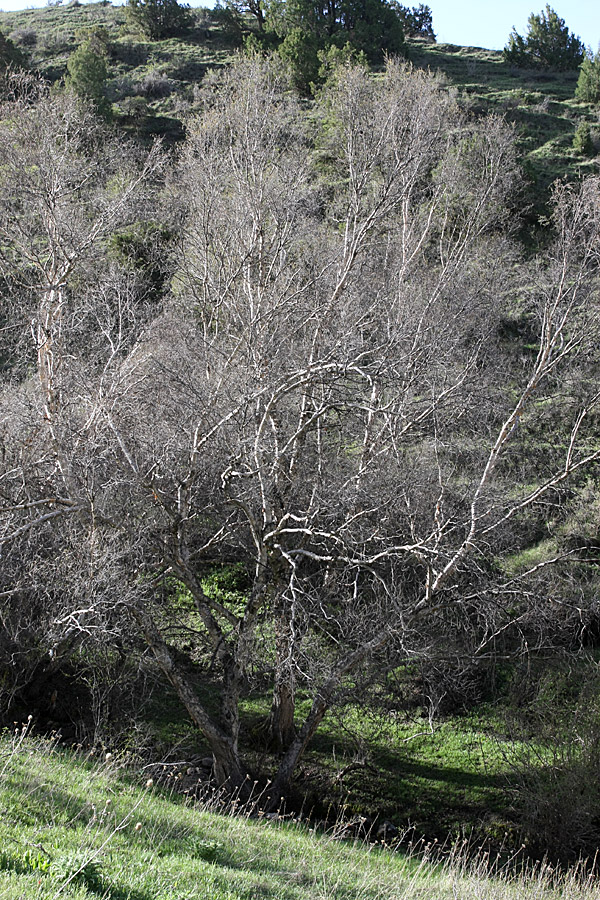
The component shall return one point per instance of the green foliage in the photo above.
(372, 26)
(332, 59)
(299, 50)
(228, 584)
(582, 141)
(417, 22)
(309, 30)
(255, 8)
(144, 248)
(76, 865)
(588, 85)
(87, 75)
(159, 19)
(549, 44)
(375, 28)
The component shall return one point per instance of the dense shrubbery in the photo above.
(159, 18)
(9, 54)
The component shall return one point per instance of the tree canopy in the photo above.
(159, 18)
(548, 43)
(588, 83)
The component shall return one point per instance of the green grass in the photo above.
(540, 104)
(441, 780)
(83, 828)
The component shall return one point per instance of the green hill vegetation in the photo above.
(79, 827)
(298, 454)
(152, 84)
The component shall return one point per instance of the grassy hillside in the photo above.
(81, 828)
(539, 103)
(152, 84)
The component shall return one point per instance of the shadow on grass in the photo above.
(448, 774)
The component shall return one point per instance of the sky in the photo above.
(477, 23)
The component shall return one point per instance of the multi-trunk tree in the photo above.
(327, 397)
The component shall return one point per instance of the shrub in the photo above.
(9, 54)
(555, 783)
(159, 19)
(582, 141)
(588, 85)
(156, 84)
(87, 74)
(24, 37)
(549, 44)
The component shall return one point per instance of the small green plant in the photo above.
(75, 865)
(32, 859)
(36, 859)
(208, 850)
(582, 141)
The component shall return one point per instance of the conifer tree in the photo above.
(548, 44)
(159, 18)
(87, 74)
(588, 85)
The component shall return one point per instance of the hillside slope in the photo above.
(153, 84)
(81, 828)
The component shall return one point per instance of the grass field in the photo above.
(80, 827)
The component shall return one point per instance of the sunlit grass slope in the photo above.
(77, 827)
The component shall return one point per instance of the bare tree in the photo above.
(339, 389)
(326, 396)
(65, 186)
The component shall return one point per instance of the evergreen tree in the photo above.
(9, 54)
(159, 18)
(549, 44)
(582, 140)
(372, 26)
(87, 74)
(417, 22)
(588, 85)
(299, 49)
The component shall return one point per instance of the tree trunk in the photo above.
(228, 770)
(281, 729)
(321, 704)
